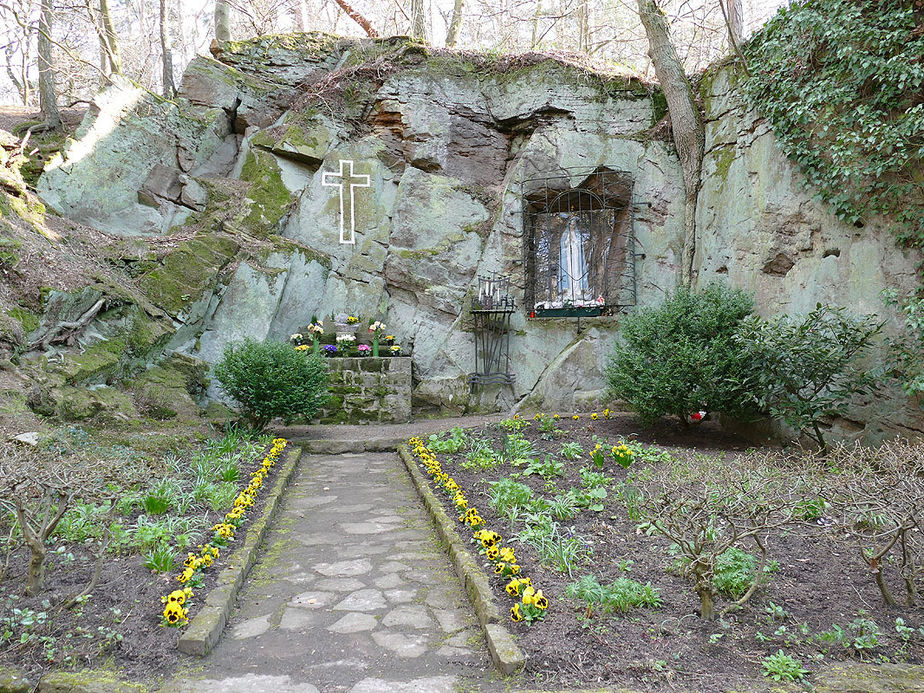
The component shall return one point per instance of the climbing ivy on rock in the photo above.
(842, 84)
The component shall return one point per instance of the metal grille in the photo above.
(492, 310)
(580, 245)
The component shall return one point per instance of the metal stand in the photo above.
(492, 311)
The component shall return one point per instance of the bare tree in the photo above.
(358, 18)
(47, 95)
(419, 20)
(166, 48)
(222, 20)
(110, 41)
(455, 24)
(686, 122)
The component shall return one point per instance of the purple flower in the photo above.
(330, 349)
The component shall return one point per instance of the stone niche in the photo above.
(367, 390)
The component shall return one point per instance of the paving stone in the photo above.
(360, 566)
(433, 684)
(389, 581)
(365, 528)
(249, 683)
(407, 646)
(393, 567)
(297, 619)
(450, 621)
(354, 623)
(449, 651)
(400, 596)
(410, 616)
(340, 584)
(251, 628)
(463, 638)
(362, 600)
(313, 599)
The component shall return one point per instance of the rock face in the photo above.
(449, 153)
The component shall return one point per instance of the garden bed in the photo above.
(120, 624)
(817, 602)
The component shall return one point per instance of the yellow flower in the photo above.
(556, 416)
(514, 569)
(575, 417)
(528, 595)
(506, 554)
(302, 347)
(174, 614)
(178, 596)
(606, 413)
(492, 553)
(489, 539)
(499, 568)
(593, 417)
(515, 614)
(513, 588)
(539, 601)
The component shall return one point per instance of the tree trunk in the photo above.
(707, 605)
(419, 20)
(166, 49)
(358, 18)
(47, 97)
(300, 12)
(222, 19)
(455, 24)
(686, 122)
(735, 21)
(111, 43)
(35, 578)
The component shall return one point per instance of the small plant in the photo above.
(734, 572)
(272, 380)
(572, 451)
(564, 506)
(450, 442)
(549, 468)
(593, 479)
(480, 456)
(513, 425)
(160, 559)
(782, 667)
(507, 493)
(548, 427)
(619, 596)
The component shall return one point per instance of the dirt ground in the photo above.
(818, 581)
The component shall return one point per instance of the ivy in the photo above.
(842, 84)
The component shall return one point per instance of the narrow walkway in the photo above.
(352, 594)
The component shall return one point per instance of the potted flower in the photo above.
(315, 329)
(329, 350)
(345, 341)
(346, 323)
(395, 350)
(364, 349)
(376, 328)
(297, 339)
(389, 340)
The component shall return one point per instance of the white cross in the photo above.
(328, 180)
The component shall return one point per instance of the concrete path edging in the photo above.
(205, 628)
(507, 656)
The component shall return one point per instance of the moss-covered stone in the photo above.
(95, 364)
(164, 391)
(188, 271)
(28, 319)
(13, 681)
(87, 682)
(269, 198)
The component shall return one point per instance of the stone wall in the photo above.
(368, 390)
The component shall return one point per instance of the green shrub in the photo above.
(271, 380)
(681, 356)
(805, 368)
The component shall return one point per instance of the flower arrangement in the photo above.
(176, 609)
(352, 320)
(346, 339)
(330, 350)
(297, 339)
(376, 328)
(364, 349)
(532, 604)
(316, 328)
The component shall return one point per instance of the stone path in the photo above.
(352, 594)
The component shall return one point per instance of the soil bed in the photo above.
(119, 625)
(817, 580)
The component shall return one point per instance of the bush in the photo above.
(681, 356)
(272, 380)
(805, 368)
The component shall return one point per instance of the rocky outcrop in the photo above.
(228, 185)
(762, 229)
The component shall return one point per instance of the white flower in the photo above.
(346, 338)
(295, 336)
